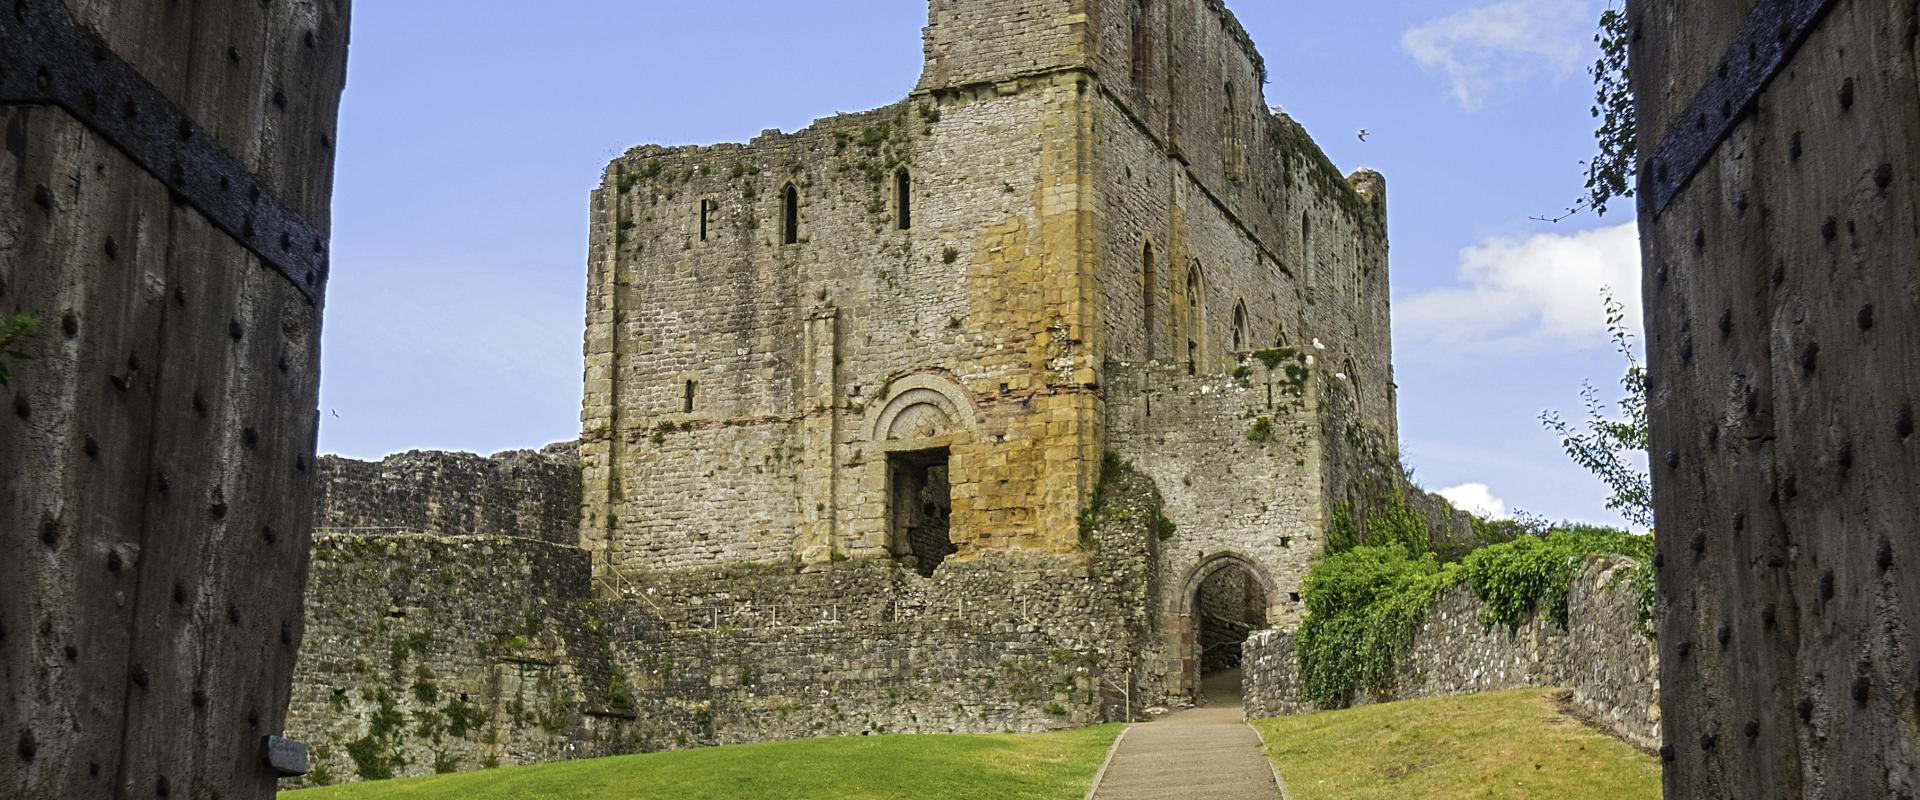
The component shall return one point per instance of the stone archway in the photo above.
(1223, 598)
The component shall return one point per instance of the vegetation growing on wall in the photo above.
(1364, 601)
(1534, 574)
(1390, 523)
(1361, 608)
(1114, 471)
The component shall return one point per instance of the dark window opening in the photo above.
(706, 218)
(1146, 294)
(1227, 608)
(1142, 44)
(920, 504)
(1239, 327)
(903, 194)
(691, 388)
(1353, 379)
(1196, 317)
(1306, 238)
(790, 213)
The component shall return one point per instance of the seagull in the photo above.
(1364, 133)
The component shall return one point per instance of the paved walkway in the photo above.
(1206, 753)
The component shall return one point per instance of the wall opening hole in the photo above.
(903, 198)
(920, 504)
(1146, 295)
(693, 387)
(706, 218)
(1142, 44)
(790, 214)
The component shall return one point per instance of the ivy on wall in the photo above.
(1364, 601)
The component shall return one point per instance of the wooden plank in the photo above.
(79, 458)
(1784, 335)
(157, 438)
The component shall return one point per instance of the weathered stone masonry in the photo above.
(859, 405)
(984, 277)
(1604, 655)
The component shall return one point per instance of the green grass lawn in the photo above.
(1044, 766)
(1501, 745)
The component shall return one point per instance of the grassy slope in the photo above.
(1502, 745)
(1049, 766)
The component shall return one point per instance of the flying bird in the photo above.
(1364, 133)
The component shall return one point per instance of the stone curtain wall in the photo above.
(434, 653)
(1006, 642)
(1603, 656)
(519, 493)
(429, 654)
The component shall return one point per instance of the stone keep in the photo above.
(989, 410)
(1071, 238)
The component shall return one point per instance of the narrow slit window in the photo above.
(692, 388)
(1146, 294)
(706, 218)
(1239, 327)
(903, 198)
(790, 213)
(1142, 45)
(1230, 133)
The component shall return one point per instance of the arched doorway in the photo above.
(1225, 598)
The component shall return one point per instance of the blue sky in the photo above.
(471, 134)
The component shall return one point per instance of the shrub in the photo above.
(1363, 601)
(1532, 574)
(1361, 609)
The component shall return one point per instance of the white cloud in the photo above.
(1476, 499)
(1519, 294)
(1483, 48)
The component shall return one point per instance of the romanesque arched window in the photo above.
(1239, 327)
(903, 198)
(790, 215)
(1146, 295)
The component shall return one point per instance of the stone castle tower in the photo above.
(912, 333)
(1014, 405)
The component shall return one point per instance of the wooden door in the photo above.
(164, 187)
(1780, 144)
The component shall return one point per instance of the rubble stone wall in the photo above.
(1604, 656)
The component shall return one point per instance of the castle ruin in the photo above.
(912, 333)
(1014, 405)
